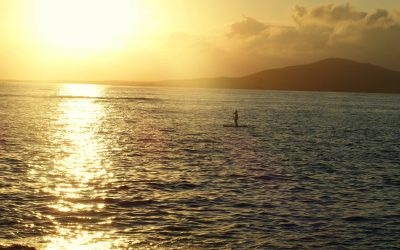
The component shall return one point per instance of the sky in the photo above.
(137, 40)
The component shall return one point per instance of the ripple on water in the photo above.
(120, 168)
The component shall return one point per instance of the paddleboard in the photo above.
(233, 126)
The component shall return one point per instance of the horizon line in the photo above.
(116, 81)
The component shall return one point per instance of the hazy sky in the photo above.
(159, 39)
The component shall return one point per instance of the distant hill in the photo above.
(332, 74)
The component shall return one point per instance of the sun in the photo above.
(87, 23)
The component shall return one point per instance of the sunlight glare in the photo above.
(81, 90)
(80, 171)
(90, 24)
(76, 238)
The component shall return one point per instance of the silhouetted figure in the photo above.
(236, 118)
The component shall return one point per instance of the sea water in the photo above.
(108, 167)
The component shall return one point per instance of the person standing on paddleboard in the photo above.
(236, 118)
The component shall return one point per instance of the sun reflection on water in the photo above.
(83, 90)
(83, 240)
(80, 172)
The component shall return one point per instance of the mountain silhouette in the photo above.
(332, 74)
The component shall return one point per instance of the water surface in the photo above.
(100, 167)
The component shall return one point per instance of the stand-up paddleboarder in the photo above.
(236, 118)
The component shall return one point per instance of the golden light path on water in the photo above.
(80, 170)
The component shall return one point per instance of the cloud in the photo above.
(380, 16)
(298, 13)
(247, 27)
(327, 14)
(329, 30)
(332, 13)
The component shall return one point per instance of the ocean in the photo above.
(111, 167)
